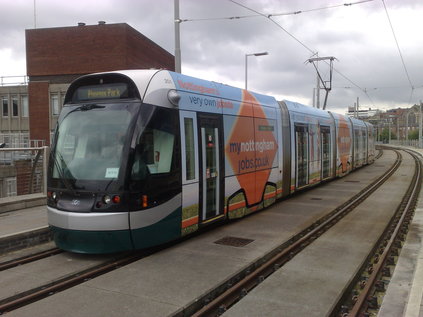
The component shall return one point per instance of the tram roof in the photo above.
(154, 79)
(304, 109)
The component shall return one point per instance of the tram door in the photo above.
(301, 139)
(211, 162)
(325, 146)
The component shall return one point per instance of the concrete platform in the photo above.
(22, 228)
(21, 202)
(312, 282)
(404, 296)
(167, 282)
(18, 221)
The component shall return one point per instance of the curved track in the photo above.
(364, 295)
(261, 267)
(285, 253)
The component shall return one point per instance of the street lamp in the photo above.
(390, 120)
(246, 64)
(420, 126)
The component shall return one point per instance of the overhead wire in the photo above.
(322, 8)
(258, 14)
(220, 18)
(305, 46)
(400, 53)
(383, 87)
(398, 47)
(277, 24)
(269, 16)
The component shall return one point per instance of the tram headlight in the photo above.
(106, 199)
(173, 97)
(52, 196)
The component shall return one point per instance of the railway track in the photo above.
(28, 258)
(221, 299)
(365, 293)
(66, 281)
(256, 272)
(30, 296)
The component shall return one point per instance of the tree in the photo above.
(384, 135)
(413, 134)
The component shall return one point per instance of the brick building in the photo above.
(56, 56)
(31, 105)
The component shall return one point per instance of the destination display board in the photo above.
(99, 92)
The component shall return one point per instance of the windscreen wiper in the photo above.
(89, 107)
(86, 107)
(59, 168)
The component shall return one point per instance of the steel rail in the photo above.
(232, 294)
(29, 258)
(405, 211)
(379, 154)
(27, 297)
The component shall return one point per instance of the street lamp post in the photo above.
(406, 126)
(390, 120)
(246, 64)
(420, 126)
(177, 37)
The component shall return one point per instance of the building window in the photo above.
(25, 141)
(11, 186)
(54, 100)
(15, 106)
(24, 106)
(5, 107)
(6, 139)
(62, 96)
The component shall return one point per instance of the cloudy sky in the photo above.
(368, 63)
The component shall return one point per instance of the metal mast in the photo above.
(327, 84)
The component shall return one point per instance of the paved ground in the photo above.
(143, 289)
(311, 283)
(168, 281)
(18, 221)
(404, 296)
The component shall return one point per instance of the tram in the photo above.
(143, 157)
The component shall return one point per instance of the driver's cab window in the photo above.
(155, 146)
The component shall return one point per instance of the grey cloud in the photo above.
(219, 47)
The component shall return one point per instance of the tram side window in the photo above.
(189, 148)
(325, 139)
(356, 144)
(302, 155)
(155, 146)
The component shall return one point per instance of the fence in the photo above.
(19, 140)
(412, 143)
(23, 171)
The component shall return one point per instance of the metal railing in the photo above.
(19, 140)
(23, 171)
(411, 143)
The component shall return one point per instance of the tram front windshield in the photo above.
(89, 143)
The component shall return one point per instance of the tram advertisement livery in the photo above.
(152, 155)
